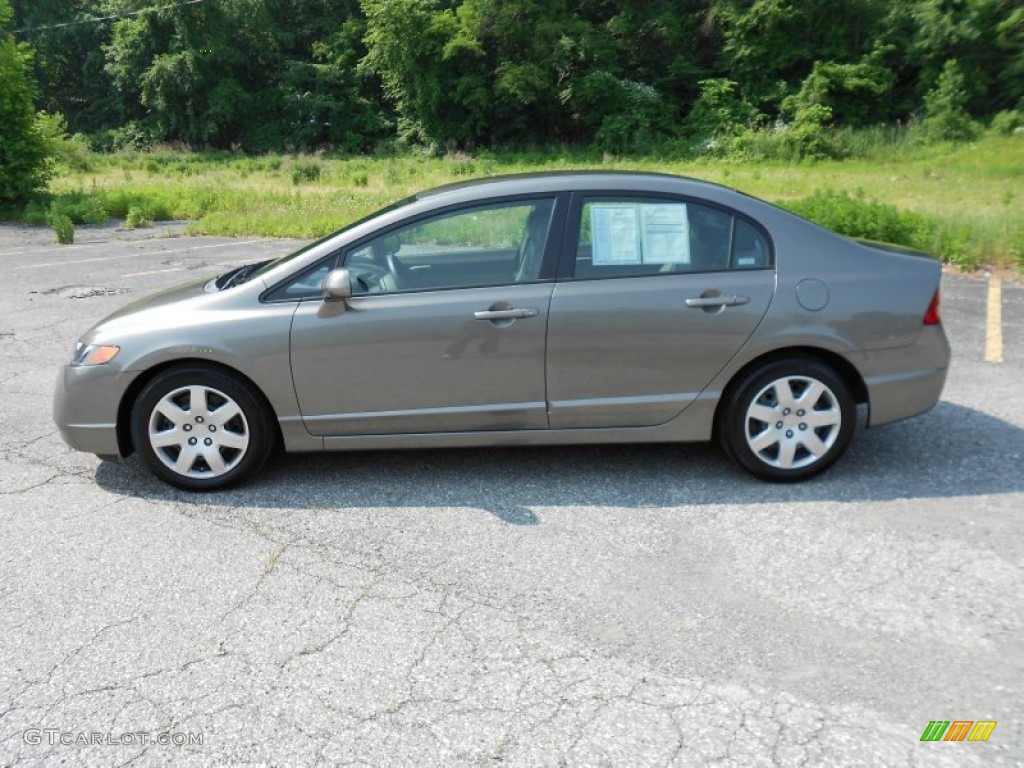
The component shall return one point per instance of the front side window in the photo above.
(482, 246)
(623, 238)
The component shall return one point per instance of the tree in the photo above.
(67, 43)
(201, 72)
(853, 93)
(770, 46)
(431, 75)
(945, 107)
(328, 101)
(24, 163)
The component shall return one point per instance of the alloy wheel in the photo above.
(198, 432)
(793, 422)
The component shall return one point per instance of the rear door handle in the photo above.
(717, 301)
(505, 314)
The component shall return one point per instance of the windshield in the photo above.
(274, 263)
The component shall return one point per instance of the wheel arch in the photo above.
(843, 367)
(131, 394)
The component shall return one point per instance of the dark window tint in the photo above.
(624, 238)
(749, 247)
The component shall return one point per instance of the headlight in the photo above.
(93, 354)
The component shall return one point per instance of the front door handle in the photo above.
(505, 314)
(717, 301)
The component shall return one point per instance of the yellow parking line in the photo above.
(994, 325)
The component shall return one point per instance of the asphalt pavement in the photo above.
(621, 605)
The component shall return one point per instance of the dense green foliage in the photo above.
(754, 77)
(23, 145)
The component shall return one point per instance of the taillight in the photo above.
(931, 317)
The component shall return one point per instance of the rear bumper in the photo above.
(906, 381)
(85, 406)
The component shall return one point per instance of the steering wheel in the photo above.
(364, 273)
(398, 270)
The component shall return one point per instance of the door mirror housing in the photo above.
(338, 285)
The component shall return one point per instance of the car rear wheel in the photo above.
(201, 428)
(788, 420)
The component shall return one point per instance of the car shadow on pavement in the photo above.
(951, 451)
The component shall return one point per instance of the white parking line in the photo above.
(136, 254)
(153, 272)
(994, 323)
(47, 246)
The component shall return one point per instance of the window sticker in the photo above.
(615, 234)
(666, 234)
(637, 233)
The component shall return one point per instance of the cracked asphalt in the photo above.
(631, 605)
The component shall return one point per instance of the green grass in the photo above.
(962, 202)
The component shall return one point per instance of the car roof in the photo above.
(546, 181)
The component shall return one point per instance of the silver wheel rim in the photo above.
(793, 422)
(198, 432)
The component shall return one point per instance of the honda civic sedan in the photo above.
(557, 308)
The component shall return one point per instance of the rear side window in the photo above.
(624, 238)
(749, 248)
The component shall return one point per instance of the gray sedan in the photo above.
(522, 310)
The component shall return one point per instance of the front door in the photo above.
(445, 332)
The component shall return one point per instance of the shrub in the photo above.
(945, 108)
(155, 206)
(808, 137)
(719, 111)
(854, 93)
(624, 115)
(89, 210)
(68, 153)
(305, 170)
(644, 122)
(63, 227)
(79, 206)
(951, 241)
(131, 136)
(857, 217)
(137, 218)
(1007, 122)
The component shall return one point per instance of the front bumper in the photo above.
(85, 406)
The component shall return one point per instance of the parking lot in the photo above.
(629, 605)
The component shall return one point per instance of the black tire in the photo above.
(223, 394)
(796, 442)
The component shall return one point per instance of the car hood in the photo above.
(163, 309)
(169, 296)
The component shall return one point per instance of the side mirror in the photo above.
(337, 285)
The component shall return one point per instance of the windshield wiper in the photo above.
(226, 279)
(239, 275)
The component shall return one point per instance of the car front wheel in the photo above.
(788, 420)
(201, 428)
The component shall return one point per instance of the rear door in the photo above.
(655, 296)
